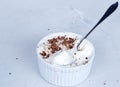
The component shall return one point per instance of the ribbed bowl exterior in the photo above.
(66, 76)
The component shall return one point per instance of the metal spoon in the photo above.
(109, 11)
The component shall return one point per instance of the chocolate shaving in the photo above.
(43, 53)
(86, 58)
(85, 62)
(54, 44)
(47, 55)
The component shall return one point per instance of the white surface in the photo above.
(24, 22)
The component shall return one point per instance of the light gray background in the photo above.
(24, 22)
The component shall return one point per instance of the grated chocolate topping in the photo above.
(55, 44)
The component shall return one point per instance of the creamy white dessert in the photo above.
(61, 50)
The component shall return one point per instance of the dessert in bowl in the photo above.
(60, 63)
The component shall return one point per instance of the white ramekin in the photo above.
(63, 76)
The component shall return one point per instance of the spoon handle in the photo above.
(109, 11)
